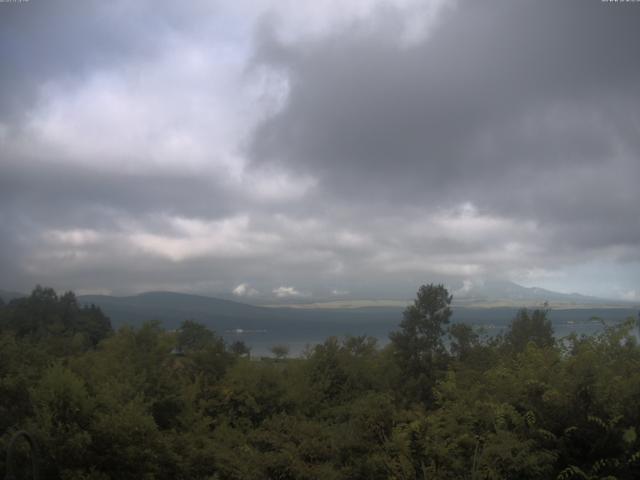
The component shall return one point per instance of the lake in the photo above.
(315, 326)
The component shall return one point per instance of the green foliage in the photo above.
(529, 327)
(280, 351)
(464, 340)
(147, 403)
(240, 349)
(59, 320)
(194, 336)
(419, 346)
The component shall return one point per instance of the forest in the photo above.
(441, 401)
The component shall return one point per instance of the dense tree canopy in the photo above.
(44, 314)
(530, 327)
(419, 346)
(146, 403)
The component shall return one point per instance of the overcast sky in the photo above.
(311, 150)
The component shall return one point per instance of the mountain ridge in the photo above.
(495, 292)
(479, 294)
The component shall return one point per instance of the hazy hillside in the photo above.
(171, 308)
(493, 293)
(7, 295)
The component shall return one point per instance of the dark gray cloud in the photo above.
(518, 85)
(59, 195)
(526, 109)
(152, 145)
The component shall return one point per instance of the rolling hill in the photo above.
(7, 295)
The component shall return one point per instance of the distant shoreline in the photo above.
(353, 304)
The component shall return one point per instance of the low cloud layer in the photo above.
(269, 149)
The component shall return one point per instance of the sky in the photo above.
(296, 151)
